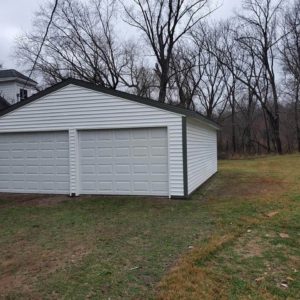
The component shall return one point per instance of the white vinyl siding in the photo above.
(10, 90)
(76, 108)
(124, 162)
(201, 153)
(34, 162)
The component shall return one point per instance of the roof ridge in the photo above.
(117, 93)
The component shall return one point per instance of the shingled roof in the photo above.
(14, 74)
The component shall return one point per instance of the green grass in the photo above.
(134, 248)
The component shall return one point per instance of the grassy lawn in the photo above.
(237, 238)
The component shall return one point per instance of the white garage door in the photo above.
(125, 161)
(34, 162)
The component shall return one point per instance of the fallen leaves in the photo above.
(259, 279)
(272, 214)
(284, 284)
(284, 235)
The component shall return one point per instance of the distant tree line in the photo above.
(243, 72)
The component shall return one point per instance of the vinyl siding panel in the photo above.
(201, 153)
(78, 108)
(9, 90)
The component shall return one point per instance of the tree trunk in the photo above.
(267, 133)
(276, 118)
(162, 90)
(164, 78)
(233, 125)
(248, 128)
(277, 135)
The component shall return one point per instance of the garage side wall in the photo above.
(201, 153)
(74, 108)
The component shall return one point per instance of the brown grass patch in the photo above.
(40, 200)
(249, 187)
(249, 248)
(32, 199)
(21, 269)
(189, 280)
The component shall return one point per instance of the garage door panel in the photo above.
(32, 178)
(121, 152)
(157, 133)
(35, 162)
(89, 186)
(106, 178)
(105, 152)
(106, 186)
(90, 152)
(88, 169)
(140, 169)
(123, 186)
(141, 151)
(158, 151)
(123, 161)
(122, 169)
(141, 186)
(31, 170)
(158, 169)
(59, 153)
(122, 135)
(61, 161)
(158, 160)
(18, 169)
(120, 160)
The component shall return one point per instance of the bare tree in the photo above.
(186, 74)
(259, 37)
(256, 38)
(81, 42)
(214, 77)
(164, 23)
(291, 58)
(137, 75)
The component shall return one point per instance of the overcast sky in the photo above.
(16, 17)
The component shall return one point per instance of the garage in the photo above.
(124, 161)
(79, 138)
(34, 162)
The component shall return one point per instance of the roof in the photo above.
(94, 87)
(14, 74)
(3, 103)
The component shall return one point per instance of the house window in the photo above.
(23, 94)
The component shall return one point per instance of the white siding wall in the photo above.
(9, 91)
(75, 108)
(201, 153)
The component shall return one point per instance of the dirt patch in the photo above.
(12, 199)
(32, 199)
(21, 270)
(234, 186)
(253, 247)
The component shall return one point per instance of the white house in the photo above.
(78, 138)
(15, 87)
